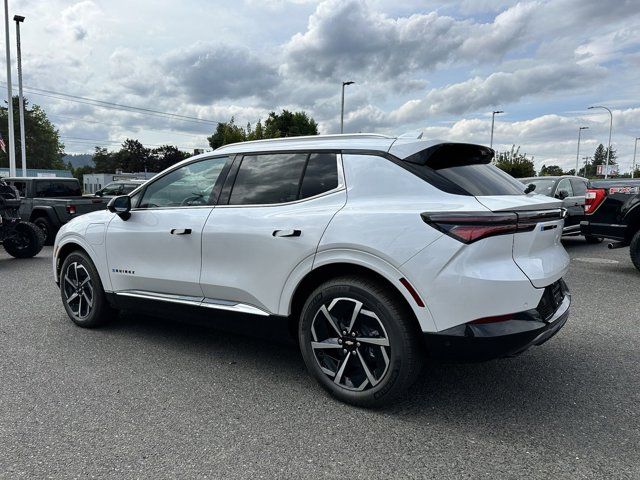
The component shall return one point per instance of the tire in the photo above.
(634, 249)
(82, 293)
(592, 240)
(27, 243)
(383, 346)
(48, 230)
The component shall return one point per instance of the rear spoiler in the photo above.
(445, 155)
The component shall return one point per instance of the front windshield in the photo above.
(544, 186)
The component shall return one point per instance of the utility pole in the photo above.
(635, 149)
(493, 121)
(12, 152)
(23, 145)
(344, 84)
(606, 168)
(578, 154)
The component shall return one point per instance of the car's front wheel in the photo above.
(359, 341)
(82, 293)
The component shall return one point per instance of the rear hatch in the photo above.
(537, 250)
(465, 169)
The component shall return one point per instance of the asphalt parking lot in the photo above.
(151, 398)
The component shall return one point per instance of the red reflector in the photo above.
(412, 291)
(592, 199)
(496, 319)
(71, 209)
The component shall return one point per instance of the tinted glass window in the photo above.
(112, 189)
(21, 187)
(579, 187)
(267, 179)
(565, 185)
(481, 179)
(57, 188)
(321, 175)
(544, 186)
(190, 185)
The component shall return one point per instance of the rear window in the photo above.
(463, 169)
(57, 188)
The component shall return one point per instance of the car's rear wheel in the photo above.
(360, 341)
(82, 293)
(634, 249)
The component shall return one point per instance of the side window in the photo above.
(579, 187)
(55, 188)
(21, 187)
(565, 185)
(321, 175)
(268, 179)
(190, 185)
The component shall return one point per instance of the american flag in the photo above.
(2, 145)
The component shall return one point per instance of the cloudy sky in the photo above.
(436, 66)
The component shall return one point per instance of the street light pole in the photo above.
(12, 152)
(344, 84)
(23, 146)
(635, 148)
(578, 154)
(606, 171)
(493, 121)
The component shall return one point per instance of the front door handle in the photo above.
(287, 233)
(180, 231)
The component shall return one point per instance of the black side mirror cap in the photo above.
(562, 194)
(121, 206)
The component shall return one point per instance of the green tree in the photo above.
(43, 146)
(165, 156)
(515, 163)
(285, 124)
(289, 124)
(133, 156)
(227, 132)
(104, 160)
(551, 170)
(79, 172)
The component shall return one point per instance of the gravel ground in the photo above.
(152, 398)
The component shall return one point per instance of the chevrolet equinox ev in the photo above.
(378, 251)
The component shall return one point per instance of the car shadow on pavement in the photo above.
(545, 385)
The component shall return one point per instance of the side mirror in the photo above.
(99, 193)
(562, 194)
(530, 188)
(121, 206)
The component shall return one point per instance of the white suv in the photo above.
(379, 250)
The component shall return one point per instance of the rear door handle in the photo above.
(287, 233)
(180, 231)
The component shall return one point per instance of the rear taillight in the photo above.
(471, 227)
(71, 209)
(592, 199)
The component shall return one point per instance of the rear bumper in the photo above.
(604, 230)
(479, 342)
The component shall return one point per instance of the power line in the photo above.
(84, 120)
(94, 141)
(115, 106)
